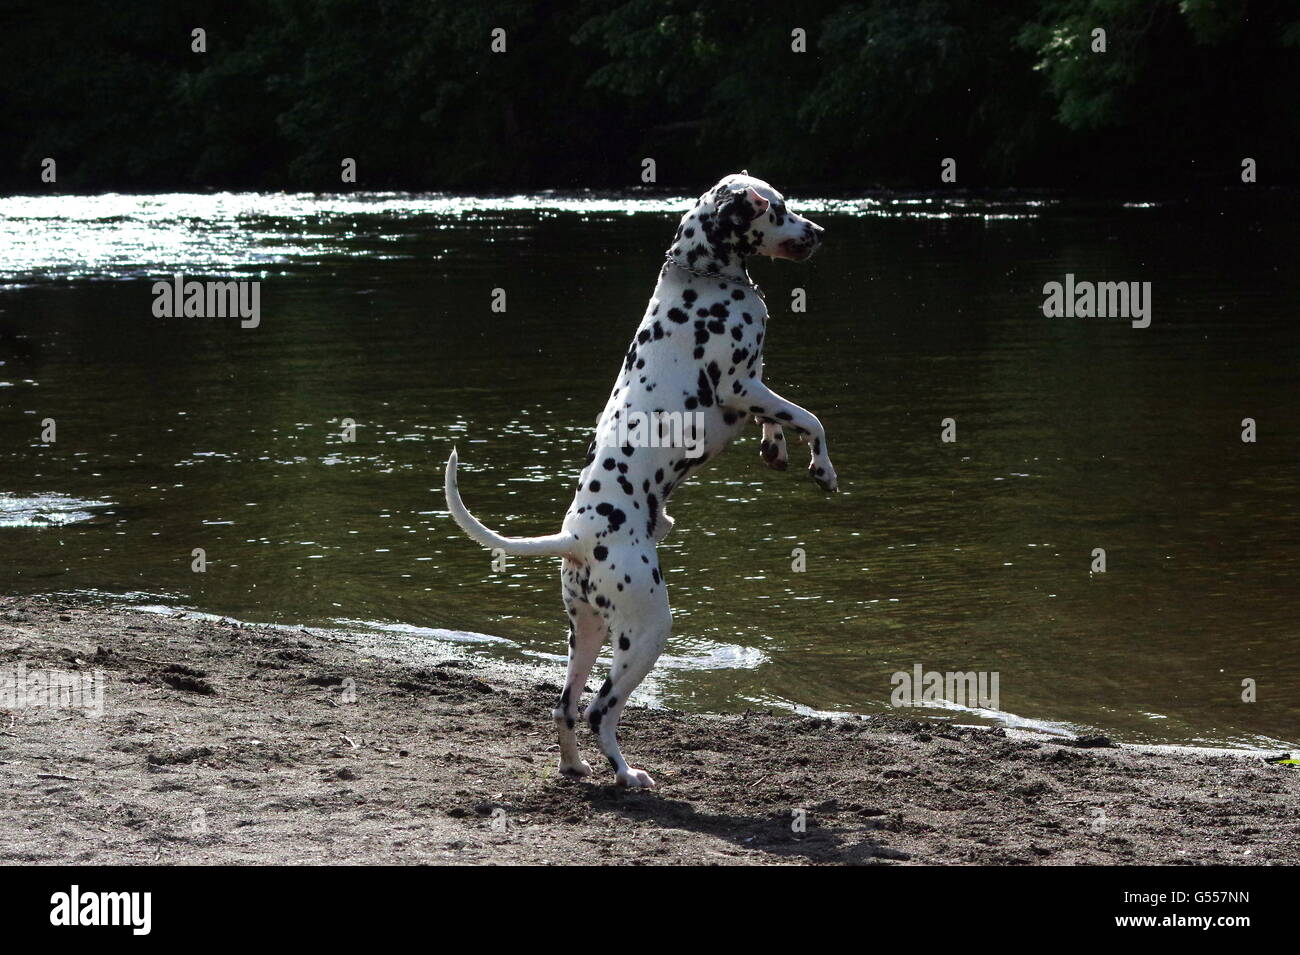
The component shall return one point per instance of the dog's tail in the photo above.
(556, 545)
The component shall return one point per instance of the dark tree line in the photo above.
(286, 89)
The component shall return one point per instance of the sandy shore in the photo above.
(222, 743)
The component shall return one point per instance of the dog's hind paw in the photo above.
(576, 771)
(636, 779)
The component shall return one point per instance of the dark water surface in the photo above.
(1073, 434)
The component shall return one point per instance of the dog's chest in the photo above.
(668, 411)
(673, 404)
(696, 337)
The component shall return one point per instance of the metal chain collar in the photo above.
(748, 283)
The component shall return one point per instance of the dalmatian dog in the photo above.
(697, 358)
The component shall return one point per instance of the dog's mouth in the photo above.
(796, 249)
(803, 245)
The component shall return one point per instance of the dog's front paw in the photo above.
(825, 476)
(635, 779)
(773, 453)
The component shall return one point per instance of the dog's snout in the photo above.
(813, 236)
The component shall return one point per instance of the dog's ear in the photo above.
(741, 205)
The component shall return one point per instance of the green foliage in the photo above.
(904, 79)
(412, 91)
(1096, 90)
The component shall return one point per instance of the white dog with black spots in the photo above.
(698, 352)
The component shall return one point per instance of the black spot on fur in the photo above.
(704, 388)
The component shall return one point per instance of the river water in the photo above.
(1072, 434)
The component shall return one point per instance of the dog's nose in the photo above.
(817, 231)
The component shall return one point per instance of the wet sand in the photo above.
(229, 743)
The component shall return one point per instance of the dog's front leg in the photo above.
(772, 448)
(754, 397)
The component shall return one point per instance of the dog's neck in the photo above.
(710, 264)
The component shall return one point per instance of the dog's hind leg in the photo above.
(639, 629)
(587, 634)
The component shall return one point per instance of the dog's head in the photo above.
(746, 216)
